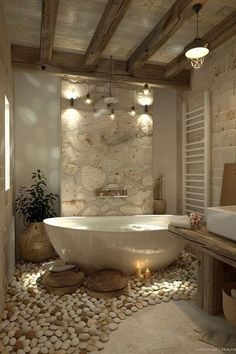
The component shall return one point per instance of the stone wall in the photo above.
(98, 152)
(218, 75)
(6, 212)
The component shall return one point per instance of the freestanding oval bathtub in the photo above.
(114, 242)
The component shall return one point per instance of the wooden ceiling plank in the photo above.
(112, 16)
(216, 36)
(48, 25)
(179, 12)
(63, 63)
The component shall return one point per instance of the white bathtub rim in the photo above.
(51, 222)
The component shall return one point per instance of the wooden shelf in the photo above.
(215, 245)
(217, 265)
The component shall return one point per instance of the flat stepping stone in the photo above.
(61, 283)
(106, 283)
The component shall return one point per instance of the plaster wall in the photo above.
(165, 144)
(37, 134)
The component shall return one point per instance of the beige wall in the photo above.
(218, 75)
(6, 210)
(37, 109)
(165, 144)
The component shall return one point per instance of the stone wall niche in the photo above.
(98, 152)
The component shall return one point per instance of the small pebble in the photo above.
(112, 326)
(83, 336)
(36, 322)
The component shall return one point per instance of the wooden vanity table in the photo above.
(217, 265)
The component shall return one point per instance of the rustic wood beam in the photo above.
(112, 15)
(216, 36)
(179, 12)
(72, 64)
(48, 25)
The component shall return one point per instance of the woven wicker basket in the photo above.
(34, 243)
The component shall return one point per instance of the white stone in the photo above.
(151, 302)
(83, 345)
(48, 344)
(75, 342)
(112, 326)
(53, 339)
(5, 340)
(35, 350)
(140, 197)
(148, 181)
(91, 211)
(58, 345)
(84, 336)
(58, 333)
(66, 344)
(92, 177)
(12, 341)
(20, 351)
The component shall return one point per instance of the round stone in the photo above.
(84, 336)
(75, 342)
(122, 315)
(103, 337)
(113, 326)
(66, 344)
(58, 333)
(58, 345)
(128, 312)
(83, 345)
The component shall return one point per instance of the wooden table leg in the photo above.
(210, 281)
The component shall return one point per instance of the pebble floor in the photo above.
(35, 322)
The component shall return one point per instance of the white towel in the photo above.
(182, 221)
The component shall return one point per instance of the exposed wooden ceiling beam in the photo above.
(48, 25)
(112, 15)
(72, 64)
(179, 12)
(216, 36)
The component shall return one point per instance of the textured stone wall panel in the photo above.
(98, 152)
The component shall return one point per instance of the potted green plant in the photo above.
(34, 204)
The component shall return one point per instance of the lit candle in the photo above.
(138, 270)
(141, 277)
(147, 273)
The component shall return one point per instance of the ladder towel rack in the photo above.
(196, 168)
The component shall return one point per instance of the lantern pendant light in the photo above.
(198, 48)
(111, 115)
(132, 112)
(146, 90)
(88, 99)
(111, 99)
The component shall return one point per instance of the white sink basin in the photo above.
(222, 221)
